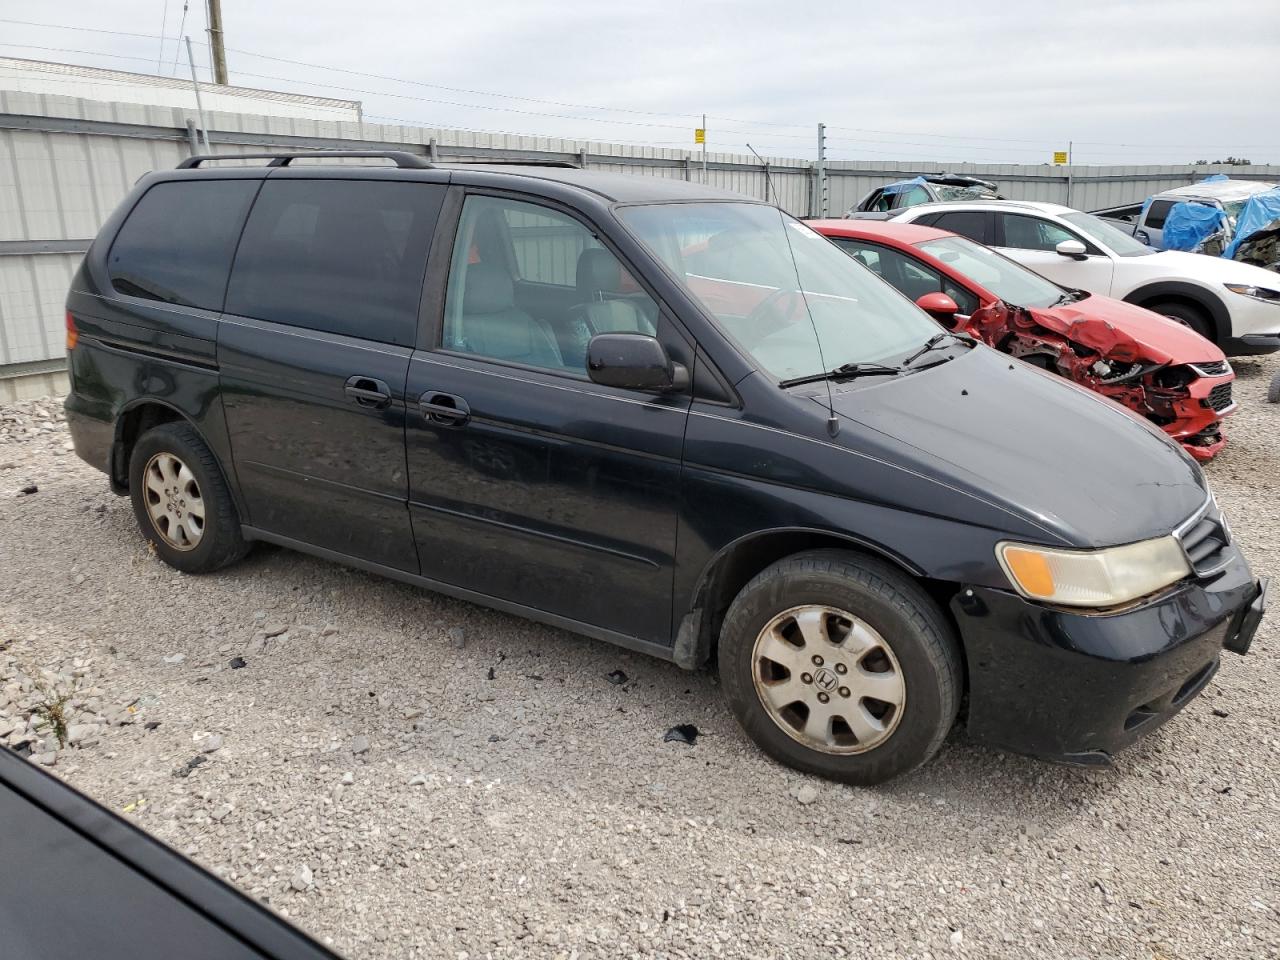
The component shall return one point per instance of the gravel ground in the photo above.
(404, 775)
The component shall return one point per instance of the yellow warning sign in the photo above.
(699, 135)
(1060, 156)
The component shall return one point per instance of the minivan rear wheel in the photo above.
(837, 664)
(181, 501)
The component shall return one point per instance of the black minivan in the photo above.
(658, 414)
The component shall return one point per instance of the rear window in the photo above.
(177, 243)
(967, 223)
(338, 256)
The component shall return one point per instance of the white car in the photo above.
(1235, 305)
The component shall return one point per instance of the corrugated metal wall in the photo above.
(65, 163)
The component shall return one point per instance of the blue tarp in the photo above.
(1215, 178)
(902, 185)
(1259, 210)
(1189, 224)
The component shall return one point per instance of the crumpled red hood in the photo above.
(1123, 331)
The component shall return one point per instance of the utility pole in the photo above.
(199, 106)
(1069, 184)
(704, 148)
(217, 50)
(822, 170)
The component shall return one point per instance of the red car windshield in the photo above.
(1011, 282)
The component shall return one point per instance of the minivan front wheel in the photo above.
(181, 501)
(839, 665)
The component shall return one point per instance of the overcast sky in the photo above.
(1167, 81)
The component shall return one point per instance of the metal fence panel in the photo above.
(65, 163)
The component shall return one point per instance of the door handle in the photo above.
(368, 392)
(444, 408)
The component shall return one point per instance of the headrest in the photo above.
(487, 289)
(598, 272)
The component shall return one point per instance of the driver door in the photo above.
(529, 483)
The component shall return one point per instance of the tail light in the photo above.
(73, 335)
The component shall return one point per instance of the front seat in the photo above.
(602, 306)
(492, 325)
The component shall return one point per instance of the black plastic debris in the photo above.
(617, 678)
(491, 675)
(151, 724)
(190, 765)
(682, 733)
(532, 676)
(28, 490)
(238, 662)
(1219, 712)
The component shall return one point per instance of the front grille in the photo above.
(1219, 397)
(1214, 368)
(1205, 542)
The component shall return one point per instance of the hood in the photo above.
(1214, 270)
(1106, 325)
(1072, 462)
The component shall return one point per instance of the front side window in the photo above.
(791, 300)
(1031, 233)
(177, 243)
(907, 274)
(1157, 213)
(338, 256)
(531, 285)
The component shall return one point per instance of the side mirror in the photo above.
(1071, 248)
(633, 361)
(939, 306)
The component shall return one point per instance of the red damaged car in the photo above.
(1151, 364)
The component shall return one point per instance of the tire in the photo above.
(1273, 392)
(1188, 316)
(173, 478)
(857, 601)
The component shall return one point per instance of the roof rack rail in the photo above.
(513, 162)
(402, 159)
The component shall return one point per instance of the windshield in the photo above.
(1104, 233)
(1011, 282)
(761, 274)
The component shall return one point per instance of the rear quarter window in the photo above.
(177, 243)
(339, 256)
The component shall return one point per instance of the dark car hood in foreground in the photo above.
(1067, 459)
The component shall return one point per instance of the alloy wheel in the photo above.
(173, 501)
(828, 679)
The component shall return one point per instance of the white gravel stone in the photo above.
(579, 834)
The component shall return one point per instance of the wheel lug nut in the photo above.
(817, 661)
(841, 668)
(807, 678)
(844, 692)
(823, 698)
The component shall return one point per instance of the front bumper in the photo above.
(1076, 687)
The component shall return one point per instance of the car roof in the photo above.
(620, 187)
(1037, 206)
(1220, 189)
(908, 234)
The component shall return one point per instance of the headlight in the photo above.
(1257, 293)
(1093, 578)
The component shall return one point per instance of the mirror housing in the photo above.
(939, 306)
(1071, 248)
(633, 361)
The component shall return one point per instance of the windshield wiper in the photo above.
(847, 371)
(932, 344)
